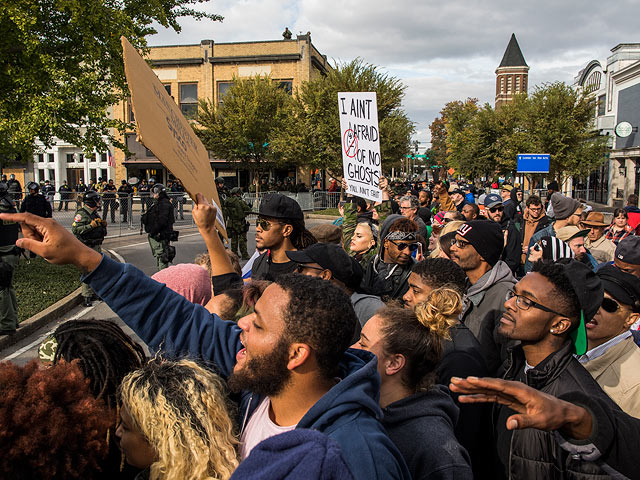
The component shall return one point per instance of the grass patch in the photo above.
(40, 284)
(328, 211)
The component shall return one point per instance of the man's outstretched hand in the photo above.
(50, 240)
(535, 409)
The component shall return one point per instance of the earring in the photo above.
(553, 331)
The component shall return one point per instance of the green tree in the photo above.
(63, 67)
(313, 138)
(242, 129)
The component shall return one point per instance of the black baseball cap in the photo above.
(327, 255)
(628, 250)
(276, 205)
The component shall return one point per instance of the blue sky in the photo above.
(441, 51)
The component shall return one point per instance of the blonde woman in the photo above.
(439, 251)
(419, 416)
(174, 422)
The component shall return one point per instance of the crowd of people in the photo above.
(441, 333)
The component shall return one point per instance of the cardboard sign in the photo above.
(360, 143)
(163, 129)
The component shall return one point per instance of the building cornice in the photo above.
(169, 62)
(284, 57)
(627, 73)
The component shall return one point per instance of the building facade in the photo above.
(512, 75)
(616, 88)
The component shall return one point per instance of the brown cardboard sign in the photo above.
(164, 130)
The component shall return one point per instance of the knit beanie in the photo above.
(563, 207)
(554, 249)
(189, 280)
(486, 237)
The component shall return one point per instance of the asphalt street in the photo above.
(132, 249)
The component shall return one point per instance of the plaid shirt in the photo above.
(615, 237)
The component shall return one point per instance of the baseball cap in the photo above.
(327, 255)
(492, 200)
(628, 250)
(570, 232)
(506, 187)
(276, 205)
(456, 190)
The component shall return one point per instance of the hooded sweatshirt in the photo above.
(484, 306)
(386, 279)
(421, 425)
(348, 413)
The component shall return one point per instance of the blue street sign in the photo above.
(533, 163)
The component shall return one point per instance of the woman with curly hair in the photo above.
(51, 425)
(419, 415)
(175, 424)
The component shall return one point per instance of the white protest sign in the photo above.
(360, 143)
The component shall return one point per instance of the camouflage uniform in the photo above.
(235, 217)
(91, 235)
(8, 255)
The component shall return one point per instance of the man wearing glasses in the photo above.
(279, 228)
(477, 249)
(409, 206)
(534, 219)
(613, 359)
(567, 212)
(546, 312)
(387, 272)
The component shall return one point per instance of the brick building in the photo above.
(206, 71)
(512, 76)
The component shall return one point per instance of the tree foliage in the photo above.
(63, 67)
(313, 136)
(554, 119)
(242, 129)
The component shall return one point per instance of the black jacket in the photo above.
(421, 426)
(159, 219)
(36, 204)
(512, 252)
(535, 453)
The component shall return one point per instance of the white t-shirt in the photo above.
(259, 428)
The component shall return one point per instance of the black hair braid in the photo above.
(105, 352)
(301, 237)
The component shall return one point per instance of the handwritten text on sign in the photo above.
(360, 143)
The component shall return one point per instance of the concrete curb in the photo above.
(39, 320)
(317, 216)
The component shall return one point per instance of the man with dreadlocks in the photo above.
(105, 355)
(279, 228)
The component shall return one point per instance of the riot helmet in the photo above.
(33, 186)
(91, 198)
(158, 188)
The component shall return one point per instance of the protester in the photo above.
(470, 211)
(477, 251)
(419, 416)
(175, 422)
(567, 212)
(386, 273)
(600, 247)
(575, 238)
(627, 255)
(510, 206)
(424, 212)
(619, 228)
(512, 251)
(588, 429)
(52, 426)
(633, 211)
(613, 359)
(457, 196)
(279, 228)
(546, 312)
(534, 219)
(552, 188)
(327, 233)
(293, 350)
(189, 280)
(330, 262)
(442, 248)
(409, 206)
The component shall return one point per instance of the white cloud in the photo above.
(442, 51)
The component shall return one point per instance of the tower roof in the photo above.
(512, 55)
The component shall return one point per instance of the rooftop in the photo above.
(513, 55)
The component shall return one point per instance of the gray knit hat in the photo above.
(563, 207)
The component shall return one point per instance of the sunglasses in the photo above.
(303, 266)
(609, 305)
(401, 246)
(265, 225)
(496, 209)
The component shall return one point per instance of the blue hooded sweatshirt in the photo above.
(348, 413)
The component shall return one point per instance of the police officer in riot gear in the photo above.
(9, 257)
(36, 203)
(90, 229)
(158, 223)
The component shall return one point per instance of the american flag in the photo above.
(110, 160)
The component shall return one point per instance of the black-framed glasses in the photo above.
(609, 305)
(524, 303)
(303, 266)
(401, 246)
(265, 224)
(496, 209)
